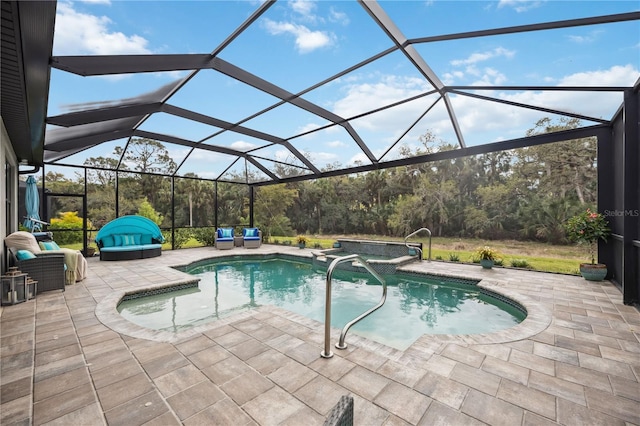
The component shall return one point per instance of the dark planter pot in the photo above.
(301, 245)
(486, 263)
(593, 271)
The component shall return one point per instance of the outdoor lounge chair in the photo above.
(21, 241)
(224, 239)
(251, 237)
(47, 268)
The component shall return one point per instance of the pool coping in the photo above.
(537, 320)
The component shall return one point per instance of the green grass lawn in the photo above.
(537, 256)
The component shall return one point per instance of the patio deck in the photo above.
(67, 359)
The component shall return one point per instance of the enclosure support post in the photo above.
(173, 213)
(251, 199)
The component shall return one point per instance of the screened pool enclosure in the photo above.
(250, 94)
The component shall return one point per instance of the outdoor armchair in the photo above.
(224, 239)
(48, 269)
(251, 237)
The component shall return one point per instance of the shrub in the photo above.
(205, 236)
(438, 258)
(147, 210)
(67, 220)
(453, 257)
(181, 237)
(520, 263)
(587, 228)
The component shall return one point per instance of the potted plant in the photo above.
(587, 228)
(487, 256)
(302, 241)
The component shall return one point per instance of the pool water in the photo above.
(414, 305)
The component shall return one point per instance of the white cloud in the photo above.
(79, 34)
(307, 127)
(359, 158)
(581, 39)
(490, 77)
(476, 117)
(242, 145)
(283, 155)
(306, 40)
(481, 121)
(335, 144)
(304, 8)
(614, 76)
(474, 58)
(324, 157)
(388, 89)
(520, 5)
(336, 16)
(482, 76)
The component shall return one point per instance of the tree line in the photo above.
(526, 193)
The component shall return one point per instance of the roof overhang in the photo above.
(27, 44)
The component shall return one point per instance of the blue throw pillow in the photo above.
(128, 240)
(226, 233)
(137, 239)
(250, 232)
(145, 239)
(117, 240)
(108, 241)
(49, 245)
(24, 255)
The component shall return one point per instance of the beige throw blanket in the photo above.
(76, 265)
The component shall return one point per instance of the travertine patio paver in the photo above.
(403, 401)
(68, 358)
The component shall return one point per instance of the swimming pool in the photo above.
(415, 305)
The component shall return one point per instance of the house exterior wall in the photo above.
(8, 191)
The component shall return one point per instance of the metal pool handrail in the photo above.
(418, 248)
(326, 353)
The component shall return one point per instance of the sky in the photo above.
(298, 44)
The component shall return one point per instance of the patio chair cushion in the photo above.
(225, 233)
(24, 255)
(49, 245)
(128, 240)
(133, 247)
(21, 240)
(249, 233)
